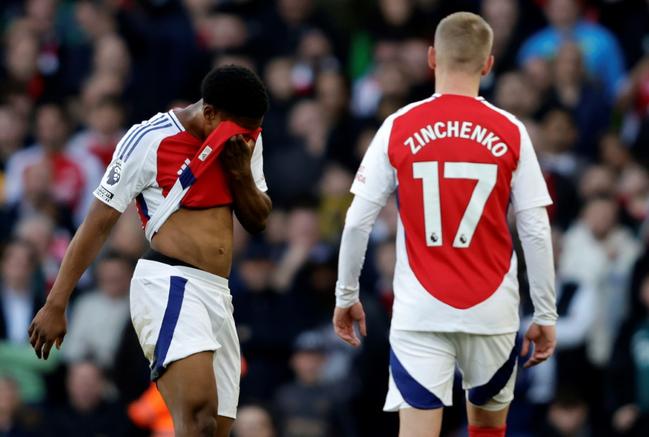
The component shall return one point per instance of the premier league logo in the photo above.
(114, 173)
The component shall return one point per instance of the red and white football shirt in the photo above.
(456, 163)
(146, 164)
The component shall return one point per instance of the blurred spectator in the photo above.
(599, 253)
(13, 131)
(302, 242)
(15, 418)
(253, 421)
(49, 242)
(88, 412)
(504, 18)
(222, 32)
(568, 416)
(94, 19)
(127, 237)
(539, 74)
(387, 81)
(613, 153)
(104, 121)
(335, 198)
(634, 101)
(588, 103)
(21, 61)
(596, 180)
(258, 307)
(513, 93)
(556, 150)
(20, 297)
(305, 155)
(112, 57)
(285, 24)
(306, 407)
(630, 371)
(71, 182)
(603, 56)
(398, 20)
(414, 55)
(281, 89)
(633, 192)
(98, 317)
(333, 96)
(36, 201)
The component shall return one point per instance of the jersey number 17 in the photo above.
(428, 172)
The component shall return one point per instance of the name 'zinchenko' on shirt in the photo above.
(456, 129)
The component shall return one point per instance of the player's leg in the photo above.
(420, 423)
(480, 417)
(189, 390)
(177, 317)
(422, 366)
(488, 365)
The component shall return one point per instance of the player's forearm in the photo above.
(353, 245)
(251, 205)
(533, 228)
(82, 251)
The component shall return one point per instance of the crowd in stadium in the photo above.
(74, 75)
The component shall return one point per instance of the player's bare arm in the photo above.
(49, 324)
(251, 205)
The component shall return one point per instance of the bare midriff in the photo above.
(200, 237)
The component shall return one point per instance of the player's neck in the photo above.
(457, 83)
(191, 118)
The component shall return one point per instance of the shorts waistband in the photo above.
(184, 269)
(154, 255)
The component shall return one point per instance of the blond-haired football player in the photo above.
(457, 164)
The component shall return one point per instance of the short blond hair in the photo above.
(463, 42)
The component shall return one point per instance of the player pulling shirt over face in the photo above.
(188, 170)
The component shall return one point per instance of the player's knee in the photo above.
(197, 421)
(205, 421)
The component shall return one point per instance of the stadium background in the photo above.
(75, 74)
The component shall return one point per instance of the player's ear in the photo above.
(431, 57)
(210, 113)
(488, 65)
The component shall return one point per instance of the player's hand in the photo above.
(47, 329)
(236, 155)
(544, 339)
(344, 320)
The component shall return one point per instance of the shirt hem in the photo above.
(477, 330)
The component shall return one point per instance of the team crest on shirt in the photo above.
(115, 173)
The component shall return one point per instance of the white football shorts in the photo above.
(422, 368)
(178, 311)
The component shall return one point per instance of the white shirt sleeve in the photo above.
(359, 221)
(376, 178)
(529, 189)
(533, 228)
(125, 179)
(257, 165)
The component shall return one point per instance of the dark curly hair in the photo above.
(235, 90)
